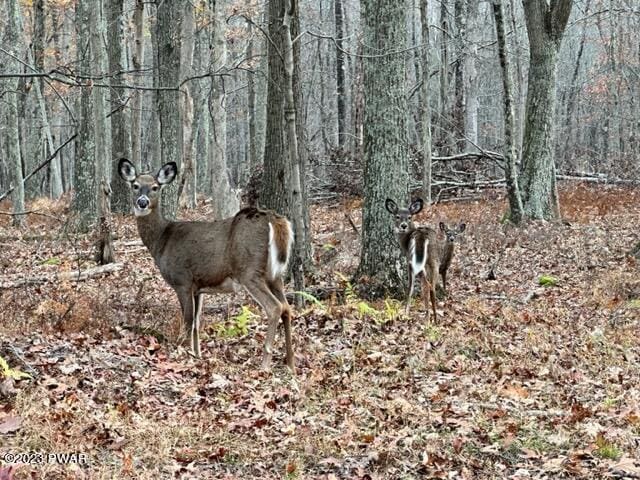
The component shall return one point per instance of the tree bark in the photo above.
(381, 266)
(294, 173)
(545, 26)
(9, 88)
(341, 91)
(136, 103)
(225, 201)
(510, 155)
(274, 194)
(426, 103)
(168, 27)
(120, 141)
(84, 172)
(444, 144)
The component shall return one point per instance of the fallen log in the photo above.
(19, 280)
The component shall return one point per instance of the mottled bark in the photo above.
(341, 90)
(120, 141)
(444, 125)
(168, 27)
(225, 201)
(274, 194)
(251, 106)
(84, 172)
(545, 26)
(136, 101)
(9, 88)
(381, 266)
(509, 152)
(426, 103)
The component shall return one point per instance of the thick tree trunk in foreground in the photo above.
(385, 175)
(274, 194)
(545, 26)
(168, 37)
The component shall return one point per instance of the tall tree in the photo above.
(426, 103)
(84, 172)
(385, 146)
(225, 201)
(136, 102)
(9, 89)
(274, 194)
(168, 26)
(510, 155)
(341, 89)
(120, 140)
(546, 22)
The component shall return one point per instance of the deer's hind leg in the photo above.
(262, 294)
(277, 288)
(412, 281)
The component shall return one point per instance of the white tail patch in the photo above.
(275, 266)
(417, 266)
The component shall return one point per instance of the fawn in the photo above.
(251, 249)
(447, 249)
(420, 247)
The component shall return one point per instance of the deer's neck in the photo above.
(447, 254)
(150, 228)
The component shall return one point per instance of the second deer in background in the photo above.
(447, 249)
(420, 247)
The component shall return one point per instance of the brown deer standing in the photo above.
(250, 249)
(420, 247)
(447, 249)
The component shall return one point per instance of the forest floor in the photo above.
(514, 380)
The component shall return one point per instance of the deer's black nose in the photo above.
(143, 202)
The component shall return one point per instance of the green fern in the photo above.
(239, 326)
(310, 298)
(349, 291)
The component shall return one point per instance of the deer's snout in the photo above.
(403, 227)
(142, 202)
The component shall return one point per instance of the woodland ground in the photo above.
(514, 380)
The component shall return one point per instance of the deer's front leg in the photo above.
(187, 302)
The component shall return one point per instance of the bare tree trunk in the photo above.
(545, 25)
(9, 88)
(385, 146)
(188, 162)
(84, 173)
(471, 76)
(297, 199)
(251, 106)
(340, 72)
(274, 194)
(120, 140)
(426, 101)
(444, 120)
(460, 14)
(225, 200)
(168, 26)
(510, 155)
(136, 102)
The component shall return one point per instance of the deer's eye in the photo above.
(136, 186)
(155, 188)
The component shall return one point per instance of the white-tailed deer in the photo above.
(420, 247)
(250, 249)
(447, 248)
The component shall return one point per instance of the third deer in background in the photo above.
(447, 249)
(420, 247)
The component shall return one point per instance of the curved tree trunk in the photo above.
(385, 146)
(545, 26)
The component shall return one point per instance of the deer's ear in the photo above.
(391, 206)
(167, 173)
(443, 227)
(416, 206)
(127, 170)
(462, 227)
